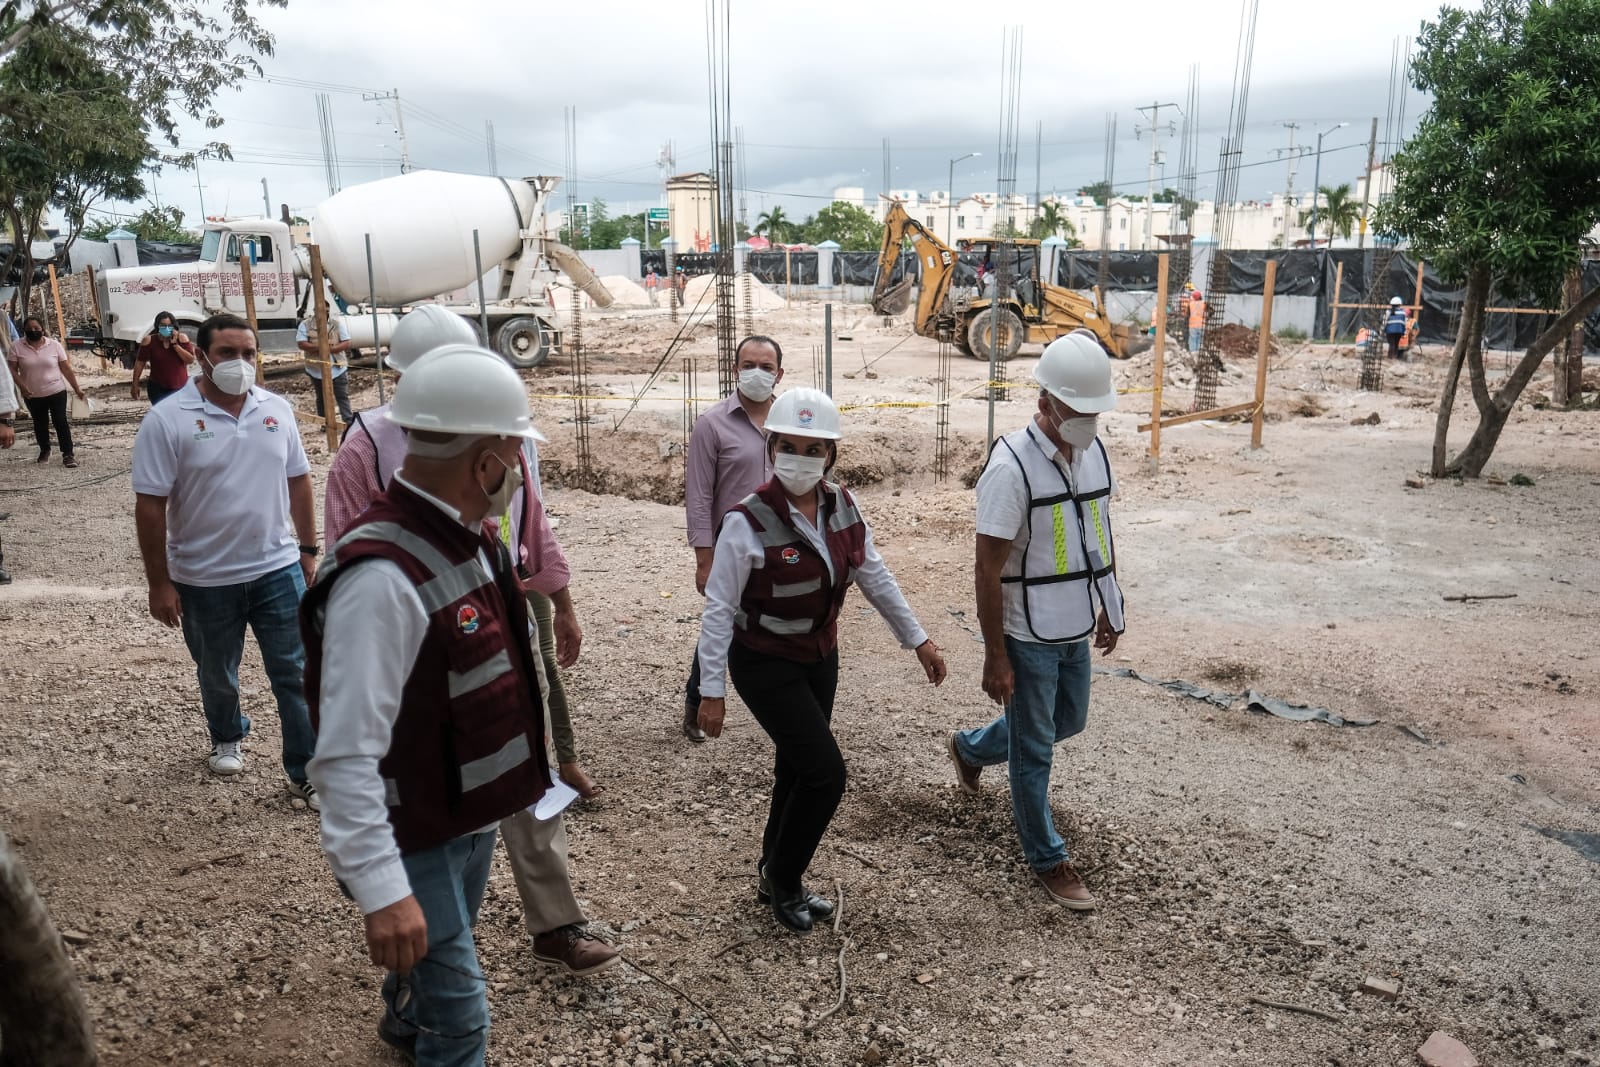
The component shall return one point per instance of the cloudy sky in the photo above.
(816, 88)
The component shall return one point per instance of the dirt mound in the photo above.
(625, 291)
(702, 288)
(1240, 342)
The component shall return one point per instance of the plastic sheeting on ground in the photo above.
(1586, 844)
(1253, 701)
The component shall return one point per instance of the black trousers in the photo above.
(691, 692)
(793, 702)
(341, 397)
(44, 410)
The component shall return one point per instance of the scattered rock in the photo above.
(1380, 987)
(75, 937)
(1370, 420)
(1521, 480)
(873, 1054)
(1442, 1050)
(924, 979)
(1416, 483)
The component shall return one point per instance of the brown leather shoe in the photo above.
(1065, 886)
(966, 773)
(575, 948)
(691, 724)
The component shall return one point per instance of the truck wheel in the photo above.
(523, 342)
(1010, 329)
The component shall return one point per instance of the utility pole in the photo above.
(1366, 186)
(1150, 181)
(266, 201)
(488, 135)
(399, 124)
(1288, 189)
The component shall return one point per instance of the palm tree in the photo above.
(1338, 211)
(1051, 220)
(775, 226)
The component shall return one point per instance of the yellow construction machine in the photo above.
(1032, 311)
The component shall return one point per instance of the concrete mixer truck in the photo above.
(421, 226)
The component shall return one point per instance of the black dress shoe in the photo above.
(5, 576)
(820, 907)
(791, 910)
(691, 724)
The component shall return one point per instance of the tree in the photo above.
(1053, 222)
(1501, 182)
(850, 226)
(775, 226)
(607, 232)
(151, 224)
(1099, 191)
(1338, 210)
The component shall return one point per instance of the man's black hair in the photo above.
(222, 322)
(759, 339)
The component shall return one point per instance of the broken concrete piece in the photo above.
(1380, 987)
(1442, 1050)
(1416, 483)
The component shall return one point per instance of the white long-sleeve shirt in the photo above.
(739, 552)
(8, 391)
(373, 626)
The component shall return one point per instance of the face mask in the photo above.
(1079, 431)
(500, 499)
(36, 335)
(164, 331)
(756, 383)
(799, 474)
(233, 376)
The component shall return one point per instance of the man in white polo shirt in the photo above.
(227, 527)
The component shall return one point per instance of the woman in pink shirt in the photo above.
(43, 373)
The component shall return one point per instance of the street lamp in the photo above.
(950, 201)
(1316, 184)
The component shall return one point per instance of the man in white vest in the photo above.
(1046, 584)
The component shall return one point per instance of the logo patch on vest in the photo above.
(270, 423)
(790, 555)
(467, 619)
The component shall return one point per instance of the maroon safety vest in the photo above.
(468, 747)
(790, 606)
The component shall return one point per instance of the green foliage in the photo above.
(152, 224)
(1007, 228)
(1101, 191)
(853, 228)
(775, 226)
(1503, 173)
(1339, 211)
(1291, 333)
(1052, 221)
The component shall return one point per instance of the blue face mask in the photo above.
(164, 331)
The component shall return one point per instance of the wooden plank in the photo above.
(1416, 301)
(247, 280)
(1265, 331)
(55, 297)
(1338, 287)
(1196, 416)
(1159, 323)
(331, 422)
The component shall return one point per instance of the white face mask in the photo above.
(500, 499)
(756, 383)
(799, 474)
(233, 376)
(1079, 431)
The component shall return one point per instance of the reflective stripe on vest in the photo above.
(1066, 567)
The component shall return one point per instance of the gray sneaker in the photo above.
(226, 759)
(306, 792)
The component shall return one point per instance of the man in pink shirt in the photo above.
(727, 462)
(43, 373)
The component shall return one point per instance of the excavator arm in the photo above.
(936, 259)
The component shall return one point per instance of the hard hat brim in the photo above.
(796, 431)
(1086, 405)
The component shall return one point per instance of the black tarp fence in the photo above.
(769, 267)
(1302, 272)
(861, 268)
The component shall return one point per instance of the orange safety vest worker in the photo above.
(1197, 313)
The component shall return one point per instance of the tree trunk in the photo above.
(1467, 336)
(1568, 388)
(43, 1022)
(1476, 455)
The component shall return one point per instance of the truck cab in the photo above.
(130, 298)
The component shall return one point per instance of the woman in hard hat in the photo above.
(785, 558)
(1395, 326)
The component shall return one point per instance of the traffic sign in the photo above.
(658, 214)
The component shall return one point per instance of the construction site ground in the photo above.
(1235, 855)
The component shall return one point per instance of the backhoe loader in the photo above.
(1032, 310)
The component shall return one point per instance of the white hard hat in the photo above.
(465, 390)
(423, 330)
(1076, 371)
(805, 413)
(1395, 301)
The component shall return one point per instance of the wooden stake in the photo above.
(1416, 301)
(1333, 311)
(55, 296)
(1159, 324)
(1265, 333)
(331, 421)
(94, 302)
(247, 279)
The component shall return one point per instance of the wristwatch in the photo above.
(310, 550)
(5, 420)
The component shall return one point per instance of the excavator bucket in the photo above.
(1129, 341)
(895, 299)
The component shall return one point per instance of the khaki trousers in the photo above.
(538, 854)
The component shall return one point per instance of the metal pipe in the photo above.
(372, 304)
(827, 348)
(483, 307)
(950, 200)
(1316, 187)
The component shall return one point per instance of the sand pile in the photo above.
(626, 292)
(703, 287)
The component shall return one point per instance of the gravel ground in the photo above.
(1235, 855)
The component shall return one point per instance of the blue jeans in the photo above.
(1050, 704)
(1196, 335)
(214, 621)
(446, 1004)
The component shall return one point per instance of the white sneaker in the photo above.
(306, 792)
(226, 759)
